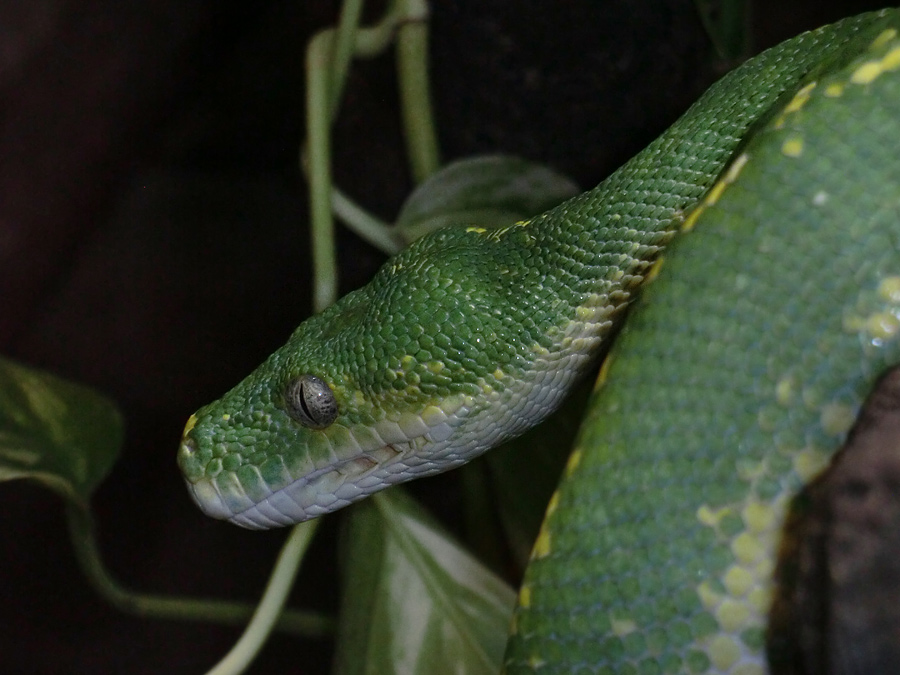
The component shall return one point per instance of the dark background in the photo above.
(153, 244)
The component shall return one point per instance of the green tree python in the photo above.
(757, 335)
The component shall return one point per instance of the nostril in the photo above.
(188, 445)
(190, 459)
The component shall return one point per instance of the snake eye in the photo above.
(310, 401)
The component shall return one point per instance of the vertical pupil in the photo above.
(304, 405)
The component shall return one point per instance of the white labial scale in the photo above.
(281, 508)
(206, 494)
(390, 432)
(231, 492)
(440, 433)
(412, 425)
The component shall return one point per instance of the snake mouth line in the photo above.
(365, 459)
(326, 489)
(315, 494)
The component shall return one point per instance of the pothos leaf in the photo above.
(488, 191)
(61, 434)
(413, 600)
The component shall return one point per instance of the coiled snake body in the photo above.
(767, 321)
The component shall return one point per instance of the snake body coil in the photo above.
(770, 317)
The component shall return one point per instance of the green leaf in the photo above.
(488, 191)
(413, 600)
(61, 434)
(727, 22)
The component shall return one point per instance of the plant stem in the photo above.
(269, 608)
(415, 94)
(343, 44)
(319, 174)
(82, 534)
(327, 61)
(368, 227)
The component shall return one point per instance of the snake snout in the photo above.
(188, 460)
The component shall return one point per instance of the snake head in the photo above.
(414, 374)
(309, 432)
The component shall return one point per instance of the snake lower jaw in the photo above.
(301, 480)
(316, 494)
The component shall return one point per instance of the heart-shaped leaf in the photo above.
(61, 434)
